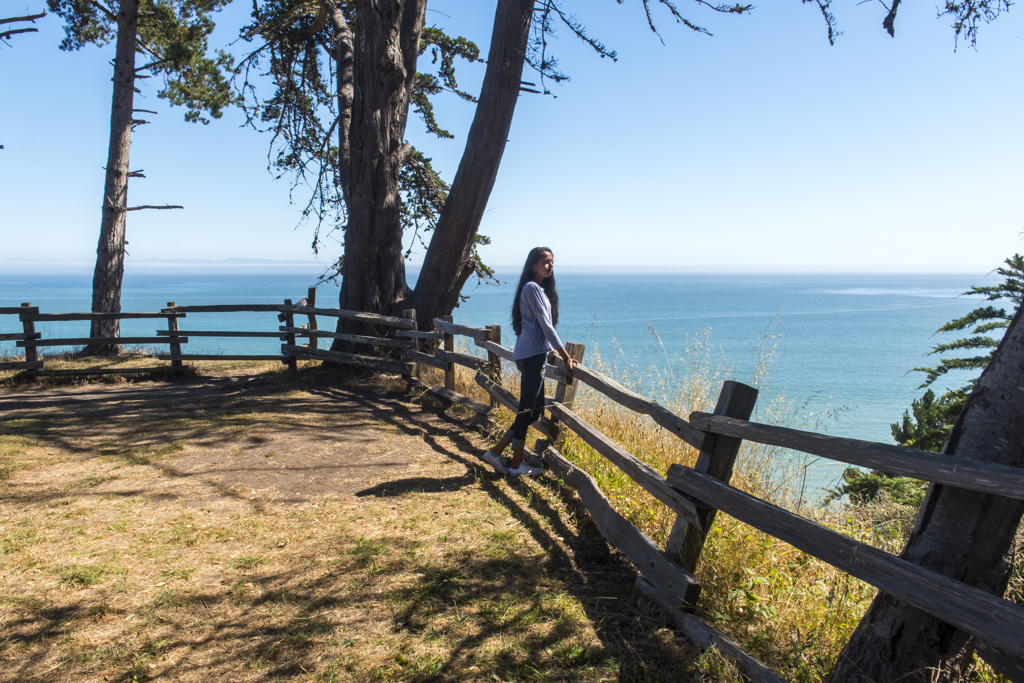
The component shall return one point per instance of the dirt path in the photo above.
(239, 433)
(257, 528)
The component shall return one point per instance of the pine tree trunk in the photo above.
(447, 264)
(966, 535)
(109, 272)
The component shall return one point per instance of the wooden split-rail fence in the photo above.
(296, 321)
(695, 494)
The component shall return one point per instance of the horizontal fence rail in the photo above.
(987, 477)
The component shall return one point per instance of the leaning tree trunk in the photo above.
(966, 535)
(109, 272)
(448, 264)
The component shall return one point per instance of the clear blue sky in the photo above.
(760, 148)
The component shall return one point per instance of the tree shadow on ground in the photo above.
(492, 612)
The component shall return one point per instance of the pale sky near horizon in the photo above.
(760, 148)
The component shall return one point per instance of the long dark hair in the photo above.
(548, 285)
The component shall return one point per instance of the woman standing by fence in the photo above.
(534, 316)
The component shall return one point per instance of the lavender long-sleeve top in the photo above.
(538, 334)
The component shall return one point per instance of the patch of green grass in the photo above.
(13, 445)
(169, 598)
(424, 665)
(144, 455)
(81, 576)
(14, 539)
(501, 542)
(23, 424)
(307, 631)
(132, 501)
(246, 562)
(94, 481)
(182, 573)
(184, 532)
(367, 550)
(438, 577)
(148, 652)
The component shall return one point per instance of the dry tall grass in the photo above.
(789, 609)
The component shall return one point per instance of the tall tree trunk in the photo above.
(966, 535)
(373, 272)
(448, 264)
(109, 272)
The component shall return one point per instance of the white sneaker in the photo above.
(526, 469)
(495, 461)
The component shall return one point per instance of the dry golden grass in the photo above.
(790, 610)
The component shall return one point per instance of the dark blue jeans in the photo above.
(531, 396)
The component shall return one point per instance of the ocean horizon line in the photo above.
(240, 264)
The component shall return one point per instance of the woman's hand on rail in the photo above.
(570, 363)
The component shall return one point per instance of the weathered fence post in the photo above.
(414, 344)
(289, 321)
(449, 345)
(565, 394)
(172, 334)
(494, 360)
(311, 302)
(31, 354)
(716, 459)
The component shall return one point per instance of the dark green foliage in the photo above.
(303, 115)
(87, 22)
(931, 422)
(445, 49)
(425, 194)
(173, 42)
(865, 487)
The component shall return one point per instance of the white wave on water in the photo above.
(880, 291)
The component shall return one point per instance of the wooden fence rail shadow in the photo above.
(694, 494)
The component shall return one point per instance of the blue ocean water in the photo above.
(841, 345)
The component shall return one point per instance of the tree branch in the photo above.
(31, 18)
(8, 34)
(111, 16)
(890, 18)
(409, 41)
(344, 60)
(139, 208)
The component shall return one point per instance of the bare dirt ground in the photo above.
(256, 527)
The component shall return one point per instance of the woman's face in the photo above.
(544, 268)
